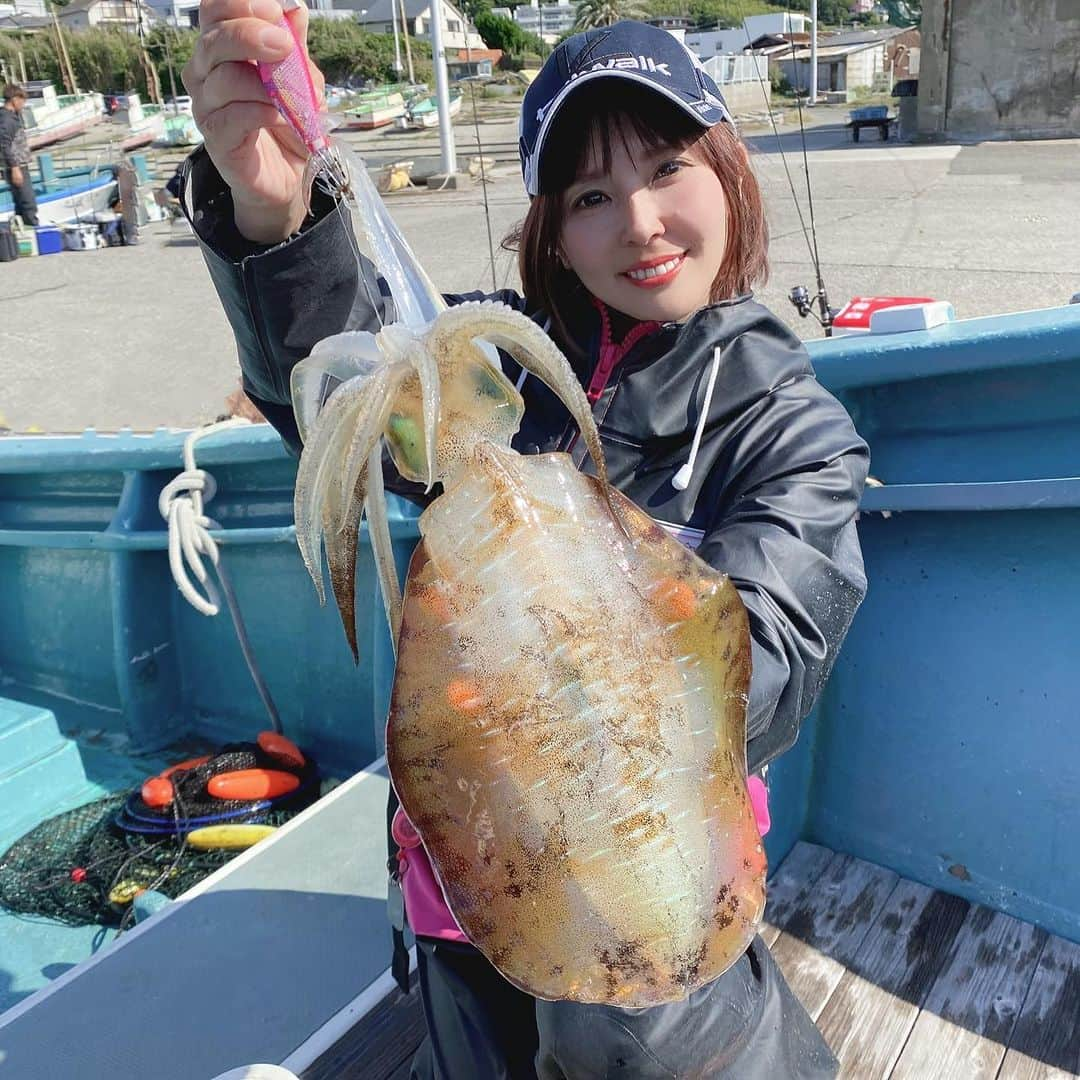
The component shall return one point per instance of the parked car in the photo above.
(180, 103)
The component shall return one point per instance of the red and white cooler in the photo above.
(890, 315)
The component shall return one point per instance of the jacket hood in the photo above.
(662, 382)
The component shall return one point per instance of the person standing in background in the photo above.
(15, 154)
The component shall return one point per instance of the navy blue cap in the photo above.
(632, 50)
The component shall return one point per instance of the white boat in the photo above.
(73, 195)
(145, 123)
(425, 112)
(180, 130)
(49, 117)
(375, 111)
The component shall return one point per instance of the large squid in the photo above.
(567, 723)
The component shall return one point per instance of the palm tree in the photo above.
(593, 13)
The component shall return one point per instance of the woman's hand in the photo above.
(257, 153)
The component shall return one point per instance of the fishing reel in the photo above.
(804, 304)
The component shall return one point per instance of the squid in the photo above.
(567, 724)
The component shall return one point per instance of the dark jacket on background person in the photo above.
(778, 476)
(14, 148)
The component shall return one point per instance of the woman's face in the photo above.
(648, 237)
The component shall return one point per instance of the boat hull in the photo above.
(79, 199)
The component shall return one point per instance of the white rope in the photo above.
(181, 505)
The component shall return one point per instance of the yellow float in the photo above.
(228, 837)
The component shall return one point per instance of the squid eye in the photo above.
(487, 386)
(408, 441)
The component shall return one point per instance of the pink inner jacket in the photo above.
(425, 905)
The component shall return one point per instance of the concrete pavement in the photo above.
(135, 336)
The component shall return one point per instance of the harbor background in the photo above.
(135, 336)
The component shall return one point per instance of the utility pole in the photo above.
(65, 61)
(153, 83)
(168, 60)
(813, 52)
(442, 91)
(408, 50)
(397, 42)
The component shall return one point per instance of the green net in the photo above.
(82, 868)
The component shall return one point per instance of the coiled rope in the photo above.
(181, 504)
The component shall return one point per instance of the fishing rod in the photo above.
(800, 296)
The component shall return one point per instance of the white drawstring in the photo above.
(681, 480)
(181, 505)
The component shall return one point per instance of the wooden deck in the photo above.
(904, 982)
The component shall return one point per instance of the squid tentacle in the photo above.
(382, 545)
(315, 465)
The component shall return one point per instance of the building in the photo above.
(23, 7)
(546, 21)
(846, 62)
(106, 15)
(378, 16)
(473, 63)
(709, 43)
(1007, 73)
(671, 23)
(743, 79)
(180, 13)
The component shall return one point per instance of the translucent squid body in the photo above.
(567, 723)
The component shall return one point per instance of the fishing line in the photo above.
(809, 190)
(811, 248)
(480, 158)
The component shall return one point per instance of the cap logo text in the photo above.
(625, 63)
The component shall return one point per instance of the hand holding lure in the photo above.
(290, 87)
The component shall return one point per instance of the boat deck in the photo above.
(903, 980)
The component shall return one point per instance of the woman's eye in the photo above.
(588, 200)
(669, 168)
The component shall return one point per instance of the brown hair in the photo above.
(13, 91)
(613, 109)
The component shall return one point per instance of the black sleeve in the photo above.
(281, 299)
(788, 541)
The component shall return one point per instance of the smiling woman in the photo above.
(642, 208)
(644, 236)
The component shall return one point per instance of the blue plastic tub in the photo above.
(50, 241)
(870, 112)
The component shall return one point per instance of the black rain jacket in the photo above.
(779, 474)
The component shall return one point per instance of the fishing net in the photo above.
(86, 866)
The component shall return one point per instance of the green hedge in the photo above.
(109, 59)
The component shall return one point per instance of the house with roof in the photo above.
(378, 17)
(106, 14)
(846, 62)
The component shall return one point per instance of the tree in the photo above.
(592, 13)
(500, 32)
(830, 12)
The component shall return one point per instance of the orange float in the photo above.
(157, 792)
(252, 784)
(281, 749)
(191, 763)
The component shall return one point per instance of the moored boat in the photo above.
(50, 118)
(375, 111)
(425, 112)
(67, 195)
